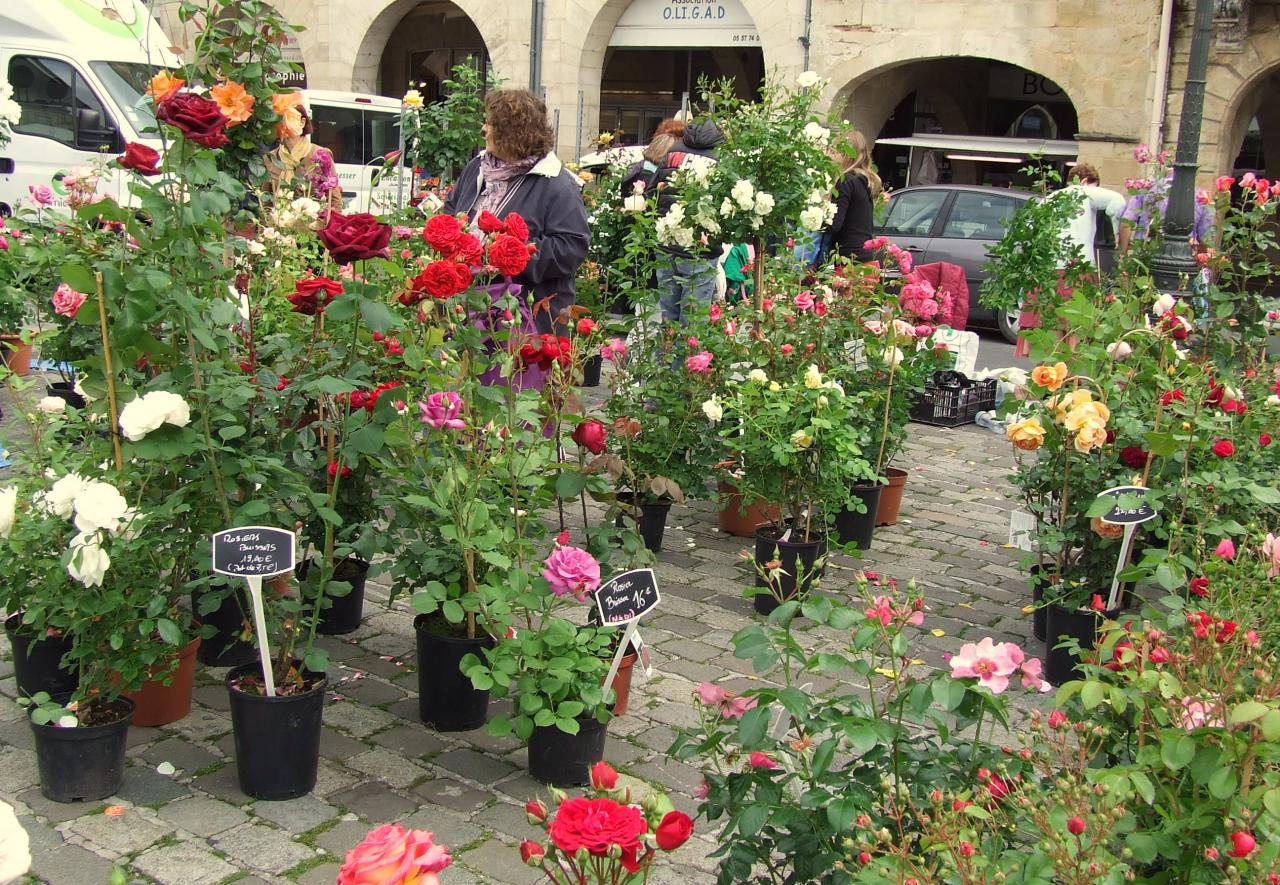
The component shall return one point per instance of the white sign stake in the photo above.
(1130, 517)
(1113, 598)
(260, 625)
(623, 645)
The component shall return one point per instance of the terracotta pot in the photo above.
(160, 704)
(734, 521)
(16, 354)
(622, 682)
(891, 497)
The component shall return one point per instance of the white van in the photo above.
(361, 131)
(79, 70)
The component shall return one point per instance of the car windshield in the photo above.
(127, 83)
(356, 136)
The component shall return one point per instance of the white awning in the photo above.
(980, 145)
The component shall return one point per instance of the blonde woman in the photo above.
(856, 196)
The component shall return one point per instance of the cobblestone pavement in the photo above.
(380, 764)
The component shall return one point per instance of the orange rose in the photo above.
(1050, 377)
(288, 105)
(1090, 436)
(235, 102)
(1027, 434)
(164, 85)
(1106, 530)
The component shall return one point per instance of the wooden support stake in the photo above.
(111, 375)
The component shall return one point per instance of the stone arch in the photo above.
(586, 48)
(377, 29)
(1237, 88)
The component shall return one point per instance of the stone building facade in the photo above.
(1094, 65)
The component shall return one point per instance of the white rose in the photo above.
(808, 80)
(52, 405)
(61, 495)
(1163, 304)
(744, 194)
(1118, 350)
(713, 410)
(817, 197)
(816, 135)
(8, 510)
(758, 376)
(146, 413)
(1273, 400)
(727, 209)
(813, 218)
(306, 207)
(99, 505)
(633, 203)
(812, 378)
(89, 562)
(892, 357)
(822, 400)
(15, 847)
(764, 203)
(699, 168)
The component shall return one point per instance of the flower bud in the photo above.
(536, 811)
(532, 853)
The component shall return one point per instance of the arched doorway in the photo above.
(424, 46)
(1253, 139)
(658, 52)
(955, 96)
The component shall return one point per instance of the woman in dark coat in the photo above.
(519, 172)
(856, 196)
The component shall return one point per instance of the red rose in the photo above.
(488, 222)
(140, 159)
(463, 273)
(439, 280)
(1215, 394)
(1242, 844)
(1160, 655)
(591, 435)
(354, 237)
(1173, 396)
(199, 119)
(1264, 439)
(532, 853)
(1226, 629)
(586, 326)
(674, 831)
(1224, 448)
(441, 232)
(333, 470)
(467, 249)
(312, 295)
(1199, 586)
(597, 825)
(1133, 456)
(516, 227)
(508, 255)
(603, 775)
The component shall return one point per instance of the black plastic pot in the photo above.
(621, 304)
(565, 760)
(446, 699)
(225, 648)
(1037, 599)
(85, 763)
(343, 614)
(277, 739)
(857, 528)
(36, 660)
(796, 557)
(591, 371)
(653, 519)
(66, 390)
(1062, 664)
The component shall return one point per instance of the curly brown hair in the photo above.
(517, 121)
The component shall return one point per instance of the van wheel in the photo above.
(1007, 320)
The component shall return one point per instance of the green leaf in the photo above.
(752, 727)
(568, 726)
(1092, 694)
(452, 611)
(570, 483)
(377, 316)
(841, 814)
(1142, 784)
(948, 693)
(341, 309)
(169, 631)
(1223, 783)
(329, 384)
(1177, 751)
(1271, 725)
(1271, 802)
(367, 440)
(977, 811)
(80, 278)
(1161, 444)
(752, 819)
(316, 660)
(235, 431)
(1142, 845)
(1263, 494)
(861, 737)
(1248, 711)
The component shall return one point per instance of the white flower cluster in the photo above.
(810, 79)
(817, 135)
(299, 215)
(10, 112)
(94, 507)
(743, 197)
(671, 229)
(819, 212)
(146, 413)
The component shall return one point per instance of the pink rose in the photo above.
(571, 571)
(761, 760)
(699, 362)
(1225, 549)
(804, 301)
(43, 194)
(614, 351)
(990, 663)
(442, 410)
(1248, 180)
(392, 855)
(67, 301)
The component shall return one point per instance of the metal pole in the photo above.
(577, 144)
(535, 49)
(555, 123)
(1175, 262)
(806, 40)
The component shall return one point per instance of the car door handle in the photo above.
(915, 248)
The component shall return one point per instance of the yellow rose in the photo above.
(1086, 413)
(801, 440)
(1050, 377)
(1027, 434)
(412, 99)
(812, 378)
(1064, 403)
(1090, 436)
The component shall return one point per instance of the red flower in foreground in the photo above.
(674, 830)
(532, 853)
(761, 760)
(442, 232)
(488, 222)
(1171, 397)
(199, 119)
(1242, 844)
(140, 158)
(508, 255)
(603, 775)
(1199, 586)
(591, 435)
(597, 825)
(515, 225)
(355, 237)
(312, 295)
(586, 326)
(442, 279)
(1224, 448)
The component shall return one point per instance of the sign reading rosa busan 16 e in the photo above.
(685, 23)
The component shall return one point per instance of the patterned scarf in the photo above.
(499, 178)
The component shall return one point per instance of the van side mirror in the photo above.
(96, 133)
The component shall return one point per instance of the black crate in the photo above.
(950, 399)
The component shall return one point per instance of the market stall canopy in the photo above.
(981, 145)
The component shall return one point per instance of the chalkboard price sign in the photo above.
(1131, 507)
(627, 597)
(253, 551)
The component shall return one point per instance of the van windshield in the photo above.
(355, 136)
(127, 83)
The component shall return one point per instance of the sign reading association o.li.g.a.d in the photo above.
(1131, 506)
(627, 597)
(253, 551)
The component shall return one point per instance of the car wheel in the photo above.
(1007, 320)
